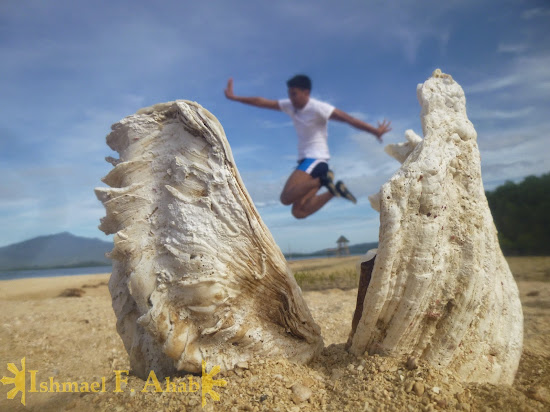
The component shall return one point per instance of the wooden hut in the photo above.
(343, 248)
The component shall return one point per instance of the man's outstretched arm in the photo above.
(253, 101)
(382, 128)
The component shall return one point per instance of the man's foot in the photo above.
(328, 181)
(344, 192)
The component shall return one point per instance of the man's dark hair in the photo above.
(301, 81)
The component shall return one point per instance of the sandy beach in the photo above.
(73, 339)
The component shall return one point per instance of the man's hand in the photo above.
(253, 101)
(229, 90)
(382, 128)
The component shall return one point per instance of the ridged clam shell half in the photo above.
(196, 275)
(439, 288)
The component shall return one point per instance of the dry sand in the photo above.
(73, 339)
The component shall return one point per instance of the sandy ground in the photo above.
(73, 339)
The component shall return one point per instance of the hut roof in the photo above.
(342, 239)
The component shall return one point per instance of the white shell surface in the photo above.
(441, 289)
(197, 275)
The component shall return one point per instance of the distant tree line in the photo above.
(521, 212)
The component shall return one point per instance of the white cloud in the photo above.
(493, 84)
(359, 115)
(525, 73)
(269, 124)
(501, 114)
(265, 185)
(404, 27)
(513, 153)
(250, 151)
(515, 48)
(260, 205)
(13, 204)
(538, 12)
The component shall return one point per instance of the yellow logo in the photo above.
(18, 380)
(51, 385)
(207, 383)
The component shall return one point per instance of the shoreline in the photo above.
(18, 274)
(47, 287)
(53, 272)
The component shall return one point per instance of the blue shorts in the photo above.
(313, 167)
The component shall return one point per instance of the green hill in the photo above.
(521, 212)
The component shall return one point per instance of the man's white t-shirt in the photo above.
(310, 123)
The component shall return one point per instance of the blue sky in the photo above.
(70, 69)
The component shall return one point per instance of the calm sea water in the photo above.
(290, 259)
(45, 273)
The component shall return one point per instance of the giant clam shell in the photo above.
(196, 275)
(439, 287)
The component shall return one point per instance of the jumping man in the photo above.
(310, 117)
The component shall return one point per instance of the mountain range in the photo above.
(55, 251)
(67, 250)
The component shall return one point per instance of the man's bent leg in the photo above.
(310, 204)
(298, 185)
